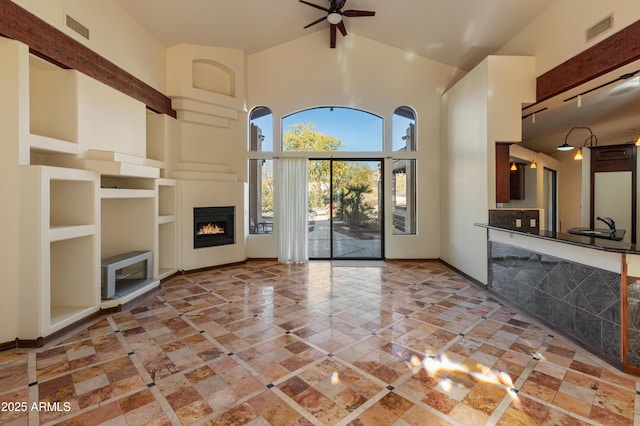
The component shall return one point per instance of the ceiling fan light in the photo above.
(334, 18)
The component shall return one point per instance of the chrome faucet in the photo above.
(610, 223)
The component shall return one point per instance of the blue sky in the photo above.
(358, 130)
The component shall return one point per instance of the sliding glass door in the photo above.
(346, 209)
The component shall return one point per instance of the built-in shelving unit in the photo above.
(128, 212)
(166, 248)
(61, 239)
(87, 178)
(53, 103)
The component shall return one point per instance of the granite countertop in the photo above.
(573, 239)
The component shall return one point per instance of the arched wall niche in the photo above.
(213, 77)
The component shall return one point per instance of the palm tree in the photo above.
(353, 203)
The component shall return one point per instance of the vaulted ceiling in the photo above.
(454, 32)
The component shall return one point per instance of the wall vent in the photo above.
(600, 27)
(77, 26)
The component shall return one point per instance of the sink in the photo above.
(598, 233)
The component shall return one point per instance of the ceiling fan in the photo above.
(335, 15)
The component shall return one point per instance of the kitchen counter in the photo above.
(573, 239)
(585, 288)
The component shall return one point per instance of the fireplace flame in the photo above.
(210, 229)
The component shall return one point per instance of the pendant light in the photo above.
(533, 164)
(513, 166)
(578, 155)
(589, 141)
(566, 146)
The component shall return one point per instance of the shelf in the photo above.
(115, 193)
(161, 220)
(110, 303)
(62, 315)
(46, 144)
(71, 202)
(166, 200)
(72, 281)
(166, 257)
(60, 233)
(53, 101)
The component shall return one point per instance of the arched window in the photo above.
(404, 171)
(404, 129)
(261, 129)
(260, 171)
(326, 129)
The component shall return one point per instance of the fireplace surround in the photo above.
(213, 226)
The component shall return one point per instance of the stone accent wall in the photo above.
(633, 330)
(578, 300)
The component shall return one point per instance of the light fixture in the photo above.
(533, 164)
(513, 166)
(578, 155)
(334, 18)
(565, 146)
(638, 141)
(589, 140)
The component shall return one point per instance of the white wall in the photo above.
(481, 109)
(113, 34)
(363, 74)
(559, 33)
(14, 123)
(207, 194)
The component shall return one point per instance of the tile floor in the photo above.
(265, 343)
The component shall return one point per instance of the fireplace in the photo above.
(213, 226)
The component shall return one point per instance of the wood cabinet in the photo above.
(516, 182)
(502, 173)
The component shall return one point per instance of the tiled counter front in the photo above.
(633, 331)
(578, 300)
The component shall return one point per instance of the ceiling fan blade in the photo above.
(314, 5)
(316, 21)
(342, 28)
(354, 13)
(333, 36)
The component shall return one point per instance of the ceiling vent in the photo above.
(600, 27)
(77, 26)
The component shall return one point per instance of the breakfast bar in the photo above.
(584, 287)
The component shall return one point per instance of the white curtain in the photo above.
(292, 186)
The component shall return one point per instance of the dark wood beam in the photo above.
(617, 50)
(51, 44)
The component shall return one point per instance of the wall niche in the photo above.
(213, 77)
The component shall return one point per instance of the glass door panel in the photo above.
(319, 209)
(345, 209)
(357, 195)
